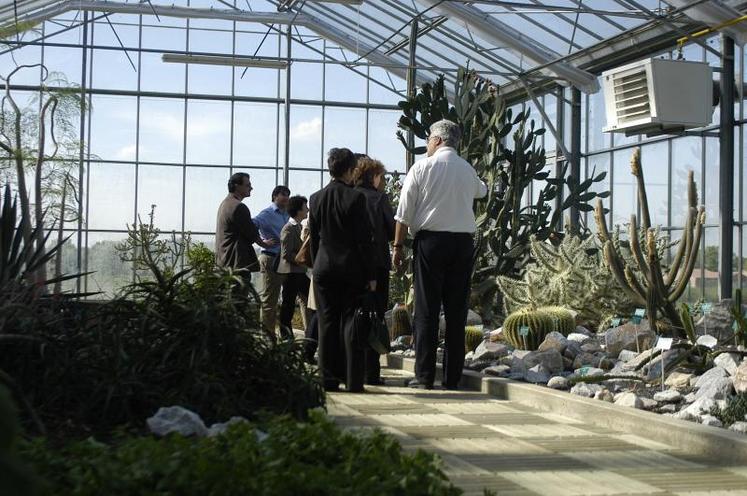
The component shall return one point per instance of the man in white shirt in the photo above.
(436, 206)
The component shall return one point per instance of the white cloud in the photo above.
(307, 129)
(126, 153)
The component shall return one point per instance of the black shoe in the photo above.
(331, 388)
(447, 387)
(376, 382)
(416, 384)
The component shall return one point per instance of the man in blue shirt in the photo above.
(270, 222)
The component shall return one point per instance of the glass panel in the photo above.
(382, 139)
(711, 179)
(161, 186)
(161, 130)
(306, 80)
(550, 107)
(343, 84)
(113, 71)
(305, 183)
(156, 75)
(686, 156)
(380, 94)
(595, 165)
(263, 182)
(596, 116)
(113, 126)
(63, 64)
(305, 136)
(126, 27)
(655, 165)
(345, 128)
(210, 79)
(166, 38)
(624, 196)
(205, 189)
(710, 281)
(27, 55)
(111, 195)
(208, 132)
(110, 272)
(253, 144)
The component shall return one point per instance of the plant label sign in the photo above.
(707, 308)
(638, 315)
(664, 343)
(524, 331)
(616, 322)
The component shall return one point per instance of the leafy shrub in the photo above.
(735, 410)
(293, 459)
(15, 477)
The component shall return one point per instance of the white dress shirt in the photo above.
(438, 193)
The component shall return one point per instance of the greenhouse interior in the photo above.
(373, 247)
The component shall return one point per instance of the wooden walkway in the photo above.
(513, 450)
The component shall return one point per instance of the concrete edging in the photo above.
(691, 438)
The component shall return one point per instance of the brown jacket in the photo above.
(235, 233)
(290, 243)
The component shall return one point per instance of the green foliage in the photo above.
(740, 319)
(563, 320)
(16, 478)
(687, 322)
(293, 459)
(538, 325)
(472, 338)
(505, 151)
(570, 274)
(735, 410)
(401, 282)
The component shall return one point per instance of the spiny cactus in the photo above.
(472, 338)
(571, 275)
(563, 319)
(539, 325)
(401, 324)
(687, 322)
(642, 277)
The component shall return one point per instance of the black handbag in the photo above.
(364, 322)
(378, 337)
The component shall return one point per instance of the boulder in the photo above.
(583, 330)
(488, 350)
(718, 322)
(707, 340)
(588, 372)
(739, 427)
(630, 400)
(686, 415)
(700, 406)
(567, 363)
(668, 396)
(496, 335)
(591, 346)
(740, 378)
(624, 338)
(537, 374)
(626, 355)
(649, 404)
(728, 361)
(578, 337)
(558, 382)
(497, 370)
(584, 359)
(478, 365)
(588, 390)
(710, 420)
(551, 359)
(653, 368)
(711, 375)
(221, 428)
(604, 395)
(554, 341)
(668, 408)
(639, 359)
(572, 349)
(473, 319)
(717, 389)
(678, 380)
(176, 419)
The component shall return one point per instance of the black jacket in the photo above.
(234, 235)
(342, 245)
(382, 221)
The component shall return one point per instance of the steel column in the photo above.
(726, 172)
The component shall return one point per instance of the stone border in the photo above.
(694, 439)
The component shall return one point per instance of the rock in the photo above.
(639, 359)
(710, 420)
(685, 415)
(578, 337)
(554, 341)
(572, 349)
(469, 356)
(708, 341)
(624, 338)
(668, 396)
(488, 350)
(478, 365)
(411, 354)
(589, 372)
(728, 362)
(649, 404)
(176, 419)
(626, 356)
(473, 319)
(558, 382)
(700, 406)
(537, 374)
(604, 395)
(605, 363)
(653, 368)
(583, 330)
(628, 399)
(552, 360)
(584, 359)
(405, 340)
(588, 390)
(717, 389)
(496, 335)
(567, 363)
(678, 380)
(497, 370)
(689, 398)
(668, 408)
(710, 375)
(718, 322)
(740, 378)
(591, 346)
(217, 429)
(739, 427)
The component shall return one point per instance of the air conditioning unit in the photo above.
(658, 96)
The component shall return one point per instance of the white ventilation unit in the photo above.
(658, 96)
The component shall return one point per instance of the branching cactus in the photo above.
(642, 275)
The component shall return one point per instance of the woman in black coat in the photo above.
(369, 180)
(343, 253)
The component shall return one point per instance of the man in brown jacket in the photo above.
(234, 231)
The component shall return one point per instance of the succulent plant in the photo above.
(472, 338)
(538, 325)
(563, 319)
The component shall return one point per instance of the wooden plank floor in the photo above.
(512, 450)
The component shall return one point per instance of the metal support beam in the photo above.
(560, 123)
(726, 170)
(82, 150)
(286, 166)
(411, 88)
(575, 159)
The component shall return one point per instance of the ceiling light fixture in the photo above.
(175, 58)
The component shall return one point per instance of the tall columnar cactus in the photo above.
(641, 275)
(538, 325)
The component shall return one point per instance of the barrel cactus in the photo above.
(539, 324)
(472, 338)
(401, 323)
(563, 319)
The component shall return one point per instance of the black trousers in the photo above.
(373, 363)
(294, 285)
(312, 336)
(339, 360)
(442, 270)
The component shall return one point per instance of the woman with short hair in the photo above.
(296, 283)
